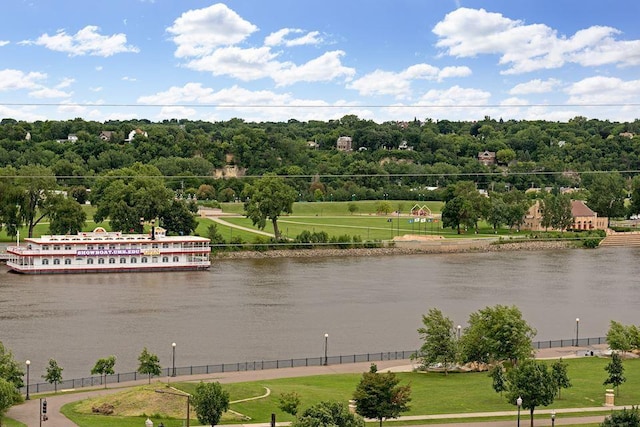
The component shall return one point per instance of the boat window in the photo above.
(154, 246)
(67, 261)
(67, 247)
(45, 262)
(45, 247)
(165, 259)
(90, 261)
(165, 245)
(176, 259)
(134, 260)
(56, 247)
(143, 260)
(56, 261)
(112, 260)
(123, 260)
(100, 260)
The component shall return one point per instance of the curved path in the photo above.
(28, 413)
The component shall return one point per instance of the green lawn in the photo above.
(431, 394)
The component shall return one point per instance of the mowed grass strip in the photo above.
(432, 393)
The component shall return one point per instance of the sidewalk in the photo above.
(28, 413)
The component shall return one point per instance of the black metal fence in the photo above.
(94, 381)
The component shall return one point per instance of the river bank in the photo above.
(403, 248)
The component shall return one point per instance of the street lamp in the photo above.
(459, 328)
(553, 418)
(187, 395)
(173, 359)
(28, 363)
(326, 342)
(519, 403)
(577, 329)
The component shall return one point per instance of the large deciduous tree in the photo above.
(607, 194)
(126, 195)
(7, 397)
(267, 199)
(531, 381)
(379, 396)
(210, 400)
(495, 334)
(66, 217)
(439, 340)
(10, 369)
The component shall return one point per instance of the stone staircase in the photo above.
(621, 239)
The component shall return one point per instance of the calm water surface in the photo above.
(246, 310)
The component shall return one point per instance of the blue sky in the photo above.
(273, 60)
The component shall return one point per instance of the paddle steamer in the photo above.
(101, 251)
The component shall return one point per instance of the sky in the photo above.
(276, 60)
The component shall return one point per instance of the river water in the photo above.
(252, 310)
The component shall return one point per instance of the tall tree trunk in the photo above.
(276, 231)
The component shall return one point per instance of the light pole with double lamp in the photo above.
(519, 403)
(28, 363)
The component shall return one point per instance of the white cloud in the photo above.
(324, 68)
(603, 90)
(16, 79)
(87, 41)
(99, 68)
(399, 84)
(243, 64)
(199, 32)
(96, 89)
(4, 42)
(455, 96)
(279, 38)
(49, 93)
(66, 82)
(528, 47)
(129, 79)
(535, 86)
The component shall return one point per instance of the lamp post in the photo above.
(577, 329)
(553, 418)
(28, 363)
(459, 328)
(519, 403)
(187, 395)
(173, 359)
(326, 343)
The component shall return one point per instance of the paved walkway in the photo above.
(28, 413)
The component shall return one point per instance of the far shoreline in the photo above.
(403, 248)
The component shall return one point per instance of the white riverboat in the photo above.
(101, 251)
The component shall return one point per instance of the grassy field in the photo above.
(431, 394)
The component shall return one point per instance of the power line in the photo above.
(80, 104)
